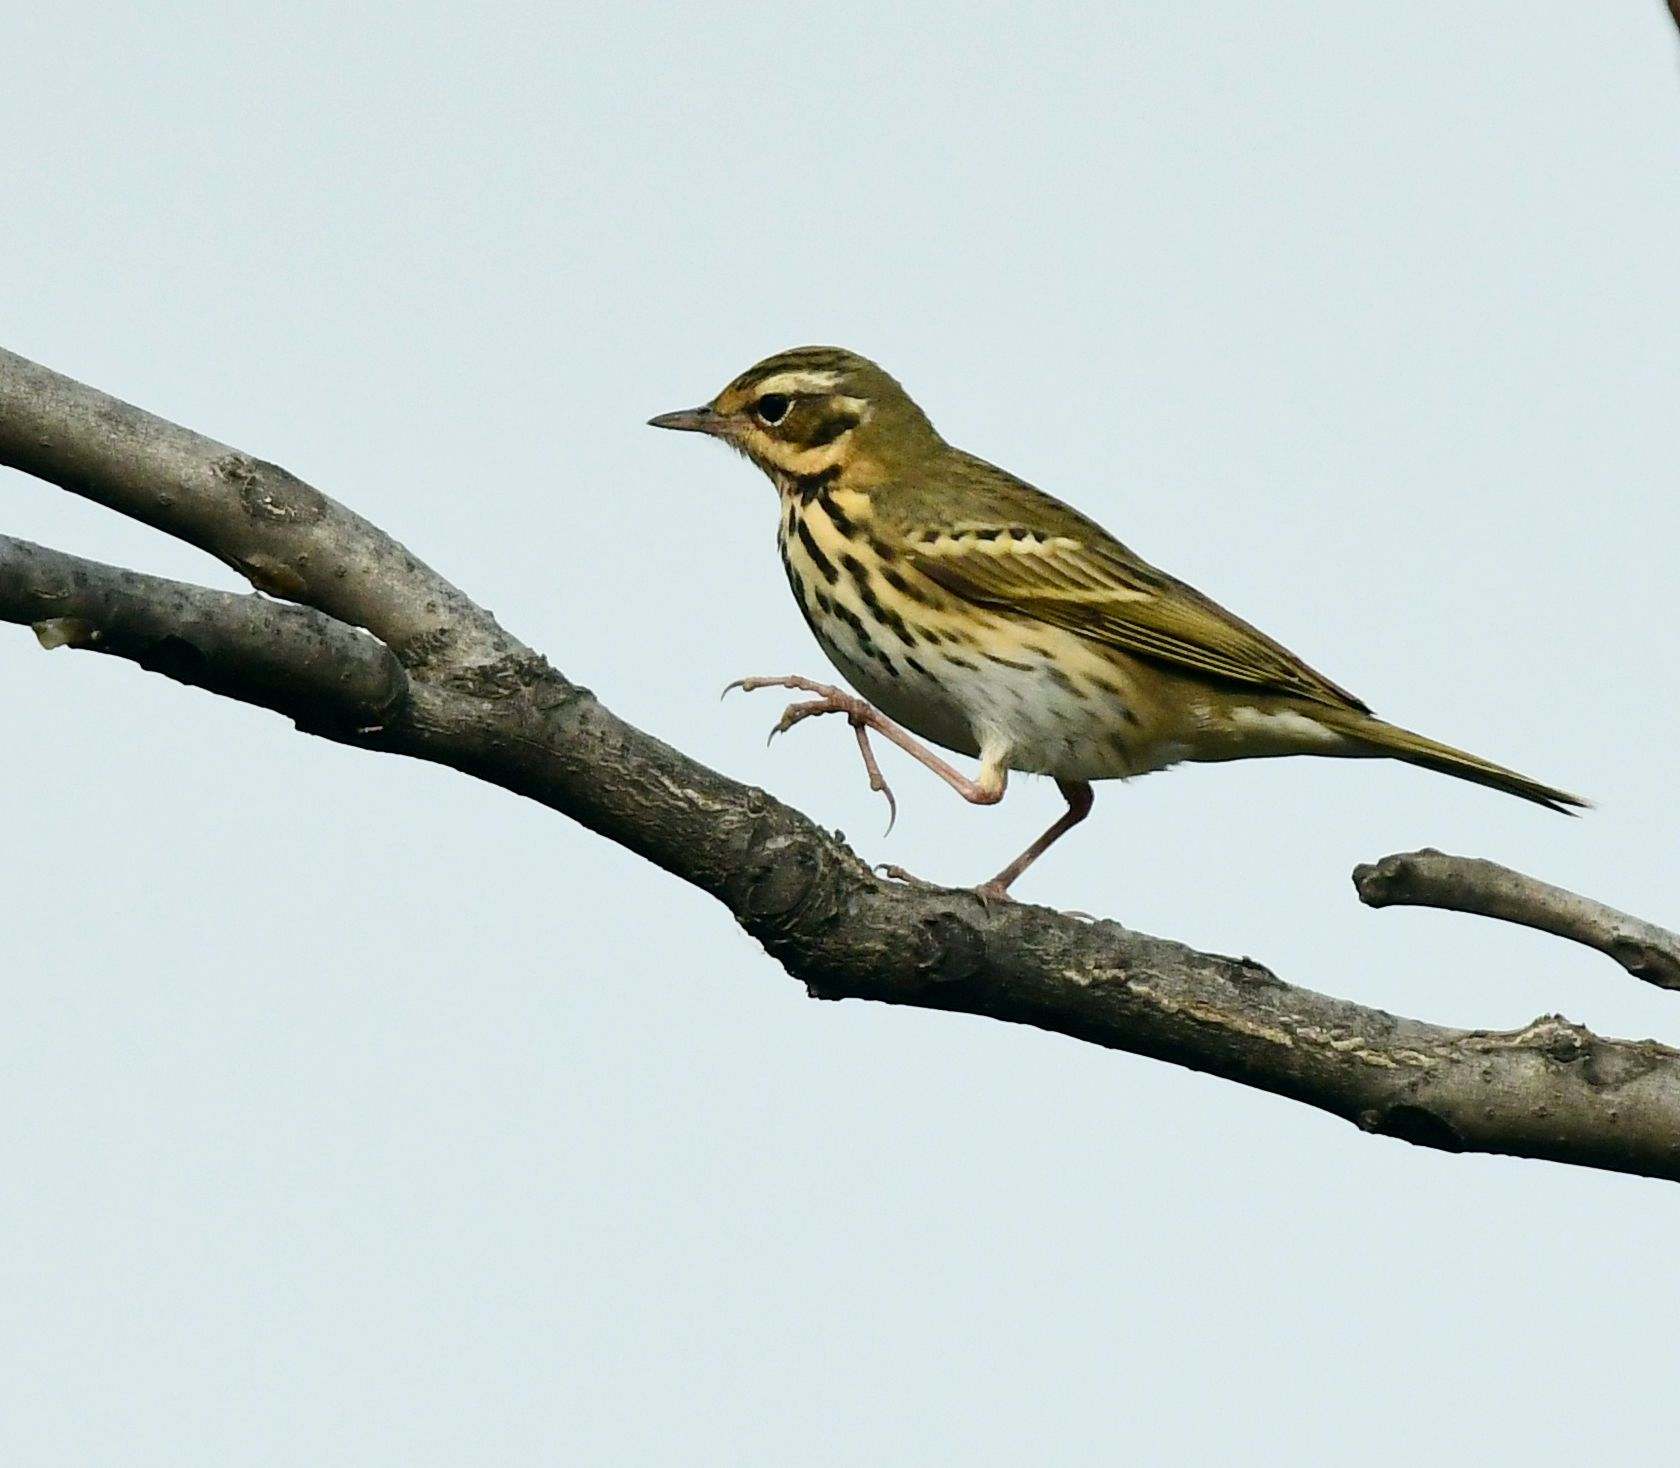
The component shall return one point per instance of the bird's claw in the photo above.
(784, 680)
(895, 873)
(795, 712)
(877, 783)
(828, 700)
(746, 685)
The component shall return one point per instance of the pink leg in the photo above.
(987, 790)
(863, 717)
(1080, 798)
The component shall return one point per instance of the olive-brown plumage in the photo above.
(988, 617)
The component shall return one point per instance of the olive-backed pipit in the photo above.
(991, 619)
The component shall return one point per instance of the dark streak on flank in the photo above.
(865, 641)
(882, 549)
(810, 621)
(825, 603)
(800, 591)
(839, 518)
(1003, 662)
(1110, 689)
(957, 662)
(1059, 678)
(883, 614)
(916, 667)
(908, 589)
(830, 572)
(855, 622)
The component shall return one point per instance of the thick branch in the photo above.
(1549, 1090)
(1468, 884)
(284, 536)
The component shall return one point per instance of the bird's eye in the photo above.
(772, 408)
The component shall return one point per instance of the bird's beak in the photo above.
(693, 420)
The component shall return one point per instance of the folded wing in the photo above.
(1070, 573)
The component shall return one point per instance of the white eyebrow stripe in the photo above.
(793, 383)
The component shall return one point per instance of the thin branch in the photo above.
(1432, 878)
(1550, 1090)
(295, 660)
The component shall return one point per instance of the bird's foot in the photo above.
(860, 715)
(987, 892)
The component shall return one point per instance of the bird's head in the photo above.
(809, 410)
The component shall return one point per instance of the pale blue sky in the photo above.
(352, 1113)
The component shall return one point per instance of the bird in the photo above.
(971, 610)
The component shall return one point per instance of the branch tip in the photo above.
(1430, 878)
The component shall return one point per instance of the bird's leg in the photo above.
(877, 781)
(863, 717)
(1080, 798)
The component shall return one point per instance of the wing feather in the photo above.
(1080, 578)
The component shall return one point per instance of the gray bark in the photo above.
(1468, 884)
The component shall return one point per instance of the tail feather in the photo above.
(1429, 754)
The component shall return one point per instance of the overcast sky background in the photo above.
(354, 1113)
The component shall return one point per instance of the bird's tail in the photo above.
(1397, 743)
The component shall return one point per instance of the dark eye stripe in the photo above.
(831, 428)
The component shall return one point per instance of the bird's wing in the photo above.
(1066, 570)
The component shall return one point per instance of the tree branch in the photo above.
(1431, 878)
(294, 660)
(282, 535)
(1549, 1090)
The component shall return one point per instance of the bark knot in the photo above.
(269, 492)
